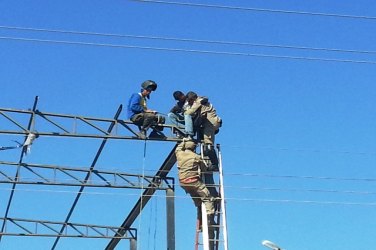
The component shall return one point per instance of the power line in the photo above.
(301, 150)
(278, 46)
(327, 178)
(187, 50)
(228, 7)
(305, 177)
(370, 204)
(228, 187)
(290, 190)
(257, 175)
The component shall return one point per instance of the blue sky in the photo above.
(298, 123)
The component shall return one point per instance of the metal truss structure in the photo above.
(61, 125)
(24, 227)
(66, 176)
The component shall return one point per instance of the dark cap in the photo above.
(177, 94)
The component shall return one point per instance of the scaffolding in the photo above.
(74, 126)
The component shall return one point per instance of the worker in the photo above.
(176, 114)
(140, 115)
(201, 116)
(190, 165)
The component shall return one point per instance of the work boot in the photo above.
(142, 134)
(211, 221)
(210, 152)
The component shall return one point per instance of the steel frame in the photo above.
(117, 129)
(42, 228)
(55, 176)
(124, 129)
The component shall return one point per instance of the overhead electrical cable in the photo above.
(367, 204)
(228, 7)
(253, 188)
(176, 39)
(301, 150)
(305, 177)
(213, 52)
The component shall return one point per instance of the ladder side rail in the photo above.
(223, 201)
(205, 228)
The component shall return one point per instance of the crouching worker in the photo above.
(140, 115)
(206, 122)
(189, 165)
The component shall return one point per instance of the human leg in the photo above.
(209, 151)
(209, 133)
(188, 125)
(175, 120)
(200, 194)
(149, 119)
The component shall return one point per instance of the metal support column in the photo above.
(170, 209)
(133, 244)
(147, 194)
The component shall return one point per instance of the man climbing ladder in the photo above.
(193, 173)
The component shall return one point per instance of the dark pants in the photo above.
(144, 120)
(199, 193)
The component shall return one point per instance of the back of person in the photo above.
(188, 162)
(208, 111)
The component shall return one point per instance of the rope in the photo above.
(141, 193)
(12, 147)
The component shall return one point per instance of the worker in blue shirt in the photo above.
(137, 110)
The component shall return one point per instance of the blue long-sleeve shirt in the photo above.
(136, 105)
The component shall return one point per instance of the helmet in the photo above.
(149, 84)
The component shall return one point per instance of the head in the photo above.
(190, 145)
(179, 96)
(191, 97)
(147, 87)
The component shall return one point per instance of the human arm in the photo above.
(176, 109)
(134, 104)
(192, 109)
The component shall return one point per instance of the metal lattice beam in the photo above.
(42, 228)
(64, 125)
(65, 176)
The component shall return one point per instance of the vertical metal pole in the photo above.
(205, 228)
(170, 209)
(133, 244)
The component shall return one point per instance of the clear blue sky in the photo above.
(289, 119)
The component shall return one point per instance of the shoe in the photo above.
(211, 221)
(213, 168)
(142, 134)
(179, 135)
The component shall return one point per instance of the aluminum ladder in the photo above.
(213, 235)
